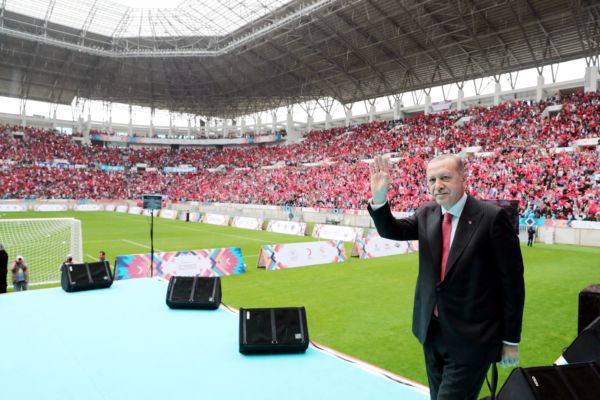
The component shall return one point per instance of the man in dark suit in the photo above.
(470, 292)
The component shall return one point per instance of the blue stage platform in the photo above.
(125, 343)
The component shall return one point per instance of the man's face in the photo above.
(445, 182)
(101, 256)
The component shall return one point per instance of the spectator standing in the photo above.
(3, 268)
(530, 235)
(20, 274)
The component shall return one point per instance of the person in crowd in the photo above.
(3, 268)
(470, 290)
(101, 256)
(68, 261)
(20, 274)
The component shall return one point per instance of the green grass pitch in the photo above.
(361, 307)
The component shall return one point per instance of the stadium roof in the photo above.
(231, 57)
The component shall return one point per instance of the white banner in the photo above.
(122, 209)
(585, 224)
(110, 207)
(248, 223)
(374, 245)
(135, 210)
(50, 207)
(287, 227)
(292, 255)
(336, 232)
(216, 219)
(12, 208)
(148, 213)
(168, 214)
(89, 207)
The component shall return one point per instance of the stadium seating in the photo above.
(520, 162)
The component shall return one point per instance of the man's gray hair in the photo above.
(460, 165)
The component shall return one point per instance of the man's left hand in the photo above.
(510, 356)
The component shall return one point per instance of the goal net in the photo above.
(44, 243)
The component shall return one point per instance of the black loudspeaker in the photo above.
(587, 345)
(558, 382)
(77, 277)
(589, 306)
(194, 292)
(273, 330)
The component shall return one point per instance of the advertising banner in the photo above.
(194, 216)
(135, 210)
(288, 227)
(336, 232)
(168, 214)
(207, 262)
(12, 207)
(89, 207)
(216, 219)
(50, 207)
(292, 255)
(148, 213)
(110, 207)
(248, 223)
(373, 245)
(122, 208)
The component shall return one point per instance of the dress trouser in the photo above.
(448, 379)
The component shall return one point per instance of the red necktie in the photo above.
(446, 234)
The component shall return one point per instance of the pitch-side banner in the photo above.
(288, 227)
(89, 207)
(121, 208)
(194, 216)
(12, 207)
(247, 223)
(50, 207)
(292, 255)
(207, 262)
(216, 219)
(168, 214)
(135, 210)
(335, 232)
(147, 213)
(373, 245)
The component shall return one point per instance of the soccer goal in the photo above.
(43, 243)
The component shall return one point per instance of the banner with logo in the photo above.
(216, 219)
(122, 208)
(110, 207)
(247, 223)
(288, 227)
(207, 262)
(336, 232)
(148, 213)
(168, 214)
(12, 208)
(89, 207)
(373, 245)
(292, 255)
(135, 210)
(50, 207)
(194, 216)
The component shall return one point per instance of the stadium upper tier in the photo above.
(516, 152)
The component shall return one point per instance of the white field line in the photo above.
(140, 244)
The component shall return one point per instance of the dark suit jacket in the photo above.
(480, 302)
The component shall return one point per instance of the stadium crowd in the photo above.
(519, 156)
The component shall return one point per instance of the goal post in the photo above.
(43, 243)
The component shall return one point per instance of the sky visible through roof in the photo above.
(149, 18)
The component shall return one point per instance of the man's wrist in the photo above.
(510, 343)
(376, 205)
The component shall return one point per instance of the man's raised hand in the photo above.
(380, 179)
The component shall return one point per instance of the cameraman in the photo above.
(68, 261)
(20, 274)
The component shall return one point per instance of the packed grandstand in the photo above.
(517, 151)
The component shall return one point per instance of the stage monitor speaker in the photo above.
(589, 306)
(558, 382)
(587, 345)
(87, 276)
(194, 292)
(273, 330)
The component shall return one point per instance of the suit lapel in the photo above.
(467, 225)
(434, 236)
